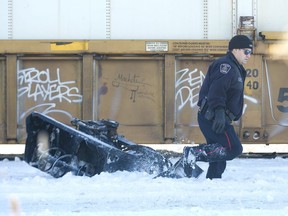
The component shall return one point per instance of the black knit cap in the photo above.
(240, 42)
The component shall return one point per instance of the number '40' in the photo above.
(253, 85)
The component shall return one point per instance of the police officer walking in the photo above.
(221, 102)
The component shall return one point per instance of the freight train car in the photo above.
(140, 63)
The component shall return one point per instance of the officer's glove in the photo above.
(219, 121)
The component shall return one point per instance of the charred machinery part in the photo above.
(90, 148)
(47, 159)
(105, 130)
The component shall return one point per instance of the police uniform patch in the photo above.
(224, 68)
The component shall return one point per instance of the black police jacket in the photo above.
(224, 85)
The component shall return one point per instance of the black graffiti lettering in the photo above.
(132, 83)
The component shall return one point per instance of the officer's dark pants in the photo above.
(229, 140)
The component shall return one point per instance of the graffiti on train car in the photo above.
(136, 84)
(189, 82)
(187, 86)
(38, 85)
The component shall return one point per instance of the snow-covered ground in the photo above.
(248, 187)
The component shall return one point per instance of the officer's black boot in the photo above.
(204, 152)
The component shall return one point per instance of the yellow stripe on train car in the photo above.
(69, 46)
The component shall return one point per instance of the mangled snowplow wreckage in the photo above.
(91, 147)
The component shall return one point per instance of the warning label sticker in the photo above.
(161, 46)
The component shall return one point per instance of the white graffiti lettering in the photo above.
(45, 109)
(37, 84)
(187, 87)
